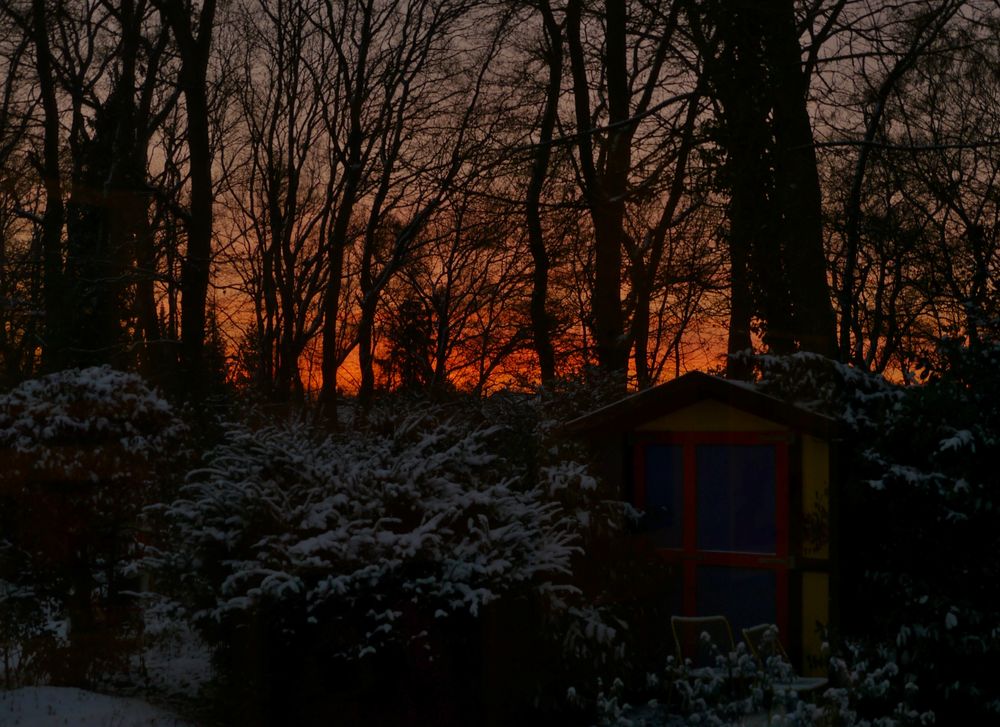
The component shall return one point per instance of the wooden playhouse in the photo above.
(739, 496)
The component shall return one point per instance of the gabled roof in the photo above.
(639, 408)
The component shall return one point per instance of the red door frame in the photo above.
(688, 556)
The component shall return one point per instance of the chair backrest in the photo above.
(764, 642)
(701, 638)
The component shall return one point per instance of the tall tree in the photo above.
(193, 29)
(97, 70)
(797, 205)
(604, 184)
(541, 325)
(52, 223)
(753, 62)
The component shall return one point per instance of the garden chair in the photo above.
(764, 644)
(690, 643)
(699, 642)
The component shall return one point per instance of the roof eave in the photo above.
(643, 406)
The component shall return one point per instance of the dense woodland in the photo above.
(297, 295)
(307, 196)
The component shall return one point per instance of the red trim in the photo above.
(767, 561)
(689, 557)
(779, 436)
(631, 412)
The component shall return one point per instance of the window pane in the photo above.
(672, 595)
(744, 595)
(665, 494)
(736, 498)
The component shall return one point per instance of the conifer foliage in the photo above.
(397, 549)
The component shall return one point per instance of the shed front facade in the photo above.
(737, 493)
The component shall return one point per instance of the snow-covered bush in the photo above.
(431, 541)
(866, 689)
(932, 572)
(919, 506)
(366, 529)
(93, 424)
(80, 455)
(858, 400)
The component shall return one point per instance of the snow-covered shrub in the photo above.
(80, 452)
(858, 400)
(866, 689)
(932, 575)
(366, 528)
(617, 628)
(93, 424)
(436, 537)
(919, 506)
(414, 541)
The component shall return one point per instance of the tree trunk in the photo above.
(338, 246)
(798, 201)
(740, 310)
(541, 325)
(195, 267)
(605, 190)
(52, 222)
(366, 332)
(331, 300)
(197, 260)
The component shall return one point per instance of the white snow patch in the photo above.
(44, 706)
(176, 660)
(959, 440)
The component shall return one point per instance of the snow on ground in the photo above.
(175, 660)
(51, 706)
(172, 668)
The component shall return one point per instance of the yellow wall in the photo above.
(815, 544)
(709, 415)
(815, 497)
(815, 609)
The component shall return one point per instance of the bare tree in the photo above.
(280, 188)
(456, 313)
(97, 70)
(52, 223)
(926, 25)
(395, 70)
(605, 180)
